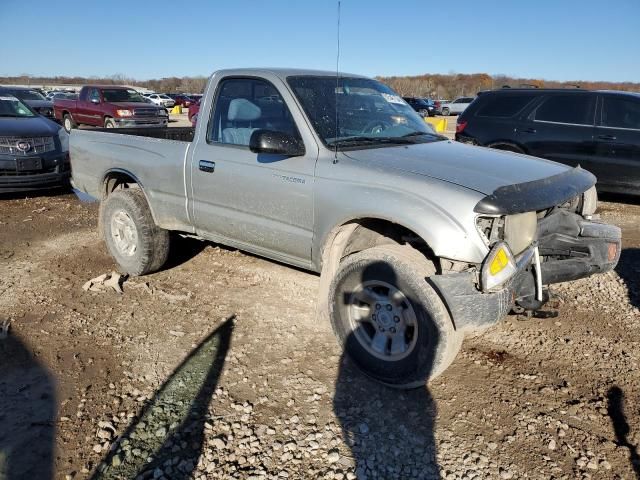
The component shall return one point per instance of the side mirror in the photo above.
(269, 141)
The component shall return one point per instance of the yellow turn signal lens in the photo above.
(499, 262)
(498, 267)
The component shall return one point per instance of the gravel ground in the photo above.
(216, 368)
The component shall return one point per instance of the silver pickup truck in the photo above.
(417, 239)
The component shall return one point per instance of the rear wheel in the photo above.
(109, 123)
(133, 239)
(392, 323)
(68, 123)
(445, 112)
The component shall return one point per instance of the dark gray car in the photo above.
(31, 97)
(34, 151)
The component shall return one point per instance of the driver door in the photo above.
(257, 202)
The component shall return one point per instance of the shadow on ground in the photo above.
(621, 427)
(182, 250)
(390, 432)
(165, 440)
(27, 413)
(629, 270)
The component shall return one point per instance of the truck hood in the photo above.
(478, 168)
(132, 105)
(39, 103)
(27, 127)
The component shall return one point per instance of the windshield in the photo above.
(368, 112)
(121, 95)
(28, 94)
(12, 107)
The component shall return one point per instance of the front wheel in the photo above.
(109, 123)
(445, 112)
(391, 322)
(68, 123)
(132, 237)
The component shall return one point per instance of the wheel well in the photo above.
(359, 235)
(507, 146)
(372, 232)
(118, 180)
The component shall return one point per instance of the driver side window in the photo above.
(244, 105)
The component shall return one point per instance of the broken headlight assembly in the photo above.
(518, 231)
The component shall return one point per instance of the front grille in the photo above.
(12, 172)
(146, 112)
(29, 145)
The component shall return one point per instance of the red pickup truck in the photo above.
(109, 106)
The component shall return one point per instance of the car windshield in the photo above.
(28, 94)
(12, 107)
(121, 95)
(352, 112)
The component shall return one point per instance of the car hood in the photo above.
(478, 168)
(39, 103)
(27, 127)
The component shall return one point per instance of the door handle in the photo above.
(606, 137)
(529, 130)
(207, 166)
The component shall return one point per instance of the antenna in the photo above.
(335, 153)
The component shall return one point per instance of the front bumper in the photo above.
(142, 122)
(570, 248)
(54, 171)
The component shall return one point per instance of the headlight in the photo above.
(63, 136)
(498, 267)
(124, 113)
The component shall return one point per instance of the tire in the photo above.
(68, 123)
(109, 123)
(134, 241)
(430, 344)
(445, 112)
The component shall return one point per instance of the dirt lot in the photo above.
(217, 368)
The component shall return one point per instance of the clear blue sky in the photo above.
(551, 39)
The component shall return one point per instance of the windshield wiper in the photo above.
(366, 139)
(9, 115)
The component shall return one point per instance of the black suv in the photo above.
(422, 106)
(599, 130)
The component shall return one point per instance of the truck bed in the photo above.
(155, 158)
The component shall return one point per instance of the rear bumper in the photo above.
(570, 248)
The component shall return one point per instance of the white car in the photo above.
(161, 99)
(457, 106)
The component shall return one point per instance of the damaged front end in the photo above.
(532, 245)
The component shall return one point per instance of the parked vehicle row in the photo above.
(598, 130)
(31, 97)
(109, 106)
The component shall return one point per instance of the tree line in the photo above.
(448, 86)
(164, 85)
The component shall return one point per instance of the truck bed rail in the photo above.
(180, 134)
